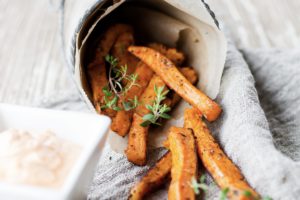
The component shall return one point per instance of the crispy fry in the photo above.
(184, 163)
(222, 169)
(97, 79)
(175, 56)
(191, 75)
(137, 145)
(136, 151)
(163, 67)
(148, 97)
(96, 69)
(154, 178)
(120, 52)
(121, 123)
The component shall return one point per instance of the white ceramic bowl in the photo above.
(87, 130)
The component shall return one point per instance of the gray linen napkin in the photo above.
(258, 131)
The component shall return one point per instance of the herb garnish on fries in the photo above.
(137, 86)
(158, 110)
(115, 89)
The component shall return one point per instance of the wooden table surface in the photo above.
(32, 66)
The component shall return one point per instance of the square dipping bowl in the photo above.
(87, 130)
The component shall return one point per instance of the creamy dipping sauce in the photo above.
(36, 159)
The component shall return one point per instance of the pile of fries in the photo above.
(137, 86)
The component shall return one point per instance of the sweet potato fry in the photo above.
(120, 52)
(222, 169)
(184, 163)
(137, 142)
(154, 178)
(121, 123)
(148, 97)
(163, 67)
(191, 75)
(175, 56)
(137, 145)
(97, 78)
(96, 70)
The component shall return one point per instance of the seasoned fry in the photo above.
(191, 75)
(154, 178)
(137, 142)
(175, 56)
(97, 79)
(96, 71)
(148, 97)
(222, 169)
(121, 123)
(184, 163)
(137, 145)
(163, 67)
(120, 52)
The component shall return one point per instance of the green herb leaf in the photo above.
(145, 123)
(111, 60)
(115, 88)
(197, 187)
(103, 107)
(247, 193)
(149, 107)
(202, 178)
(157, 109)
(113, 102)
(224, 193)
(165, 116)
(130, 104)
(267, 198)
(126, 106)
(106, 91)
(148, 117)
(116, 108)
(203, 186)
(194, 185)
(155, 89)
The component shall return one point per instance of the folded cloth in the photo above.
(258, 131)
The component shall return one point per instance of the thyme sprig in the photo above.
(110, 101)
(114, 90)
(158, 110)
(223, 194)
(197, 187)
(201, 185)
(130, 104)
